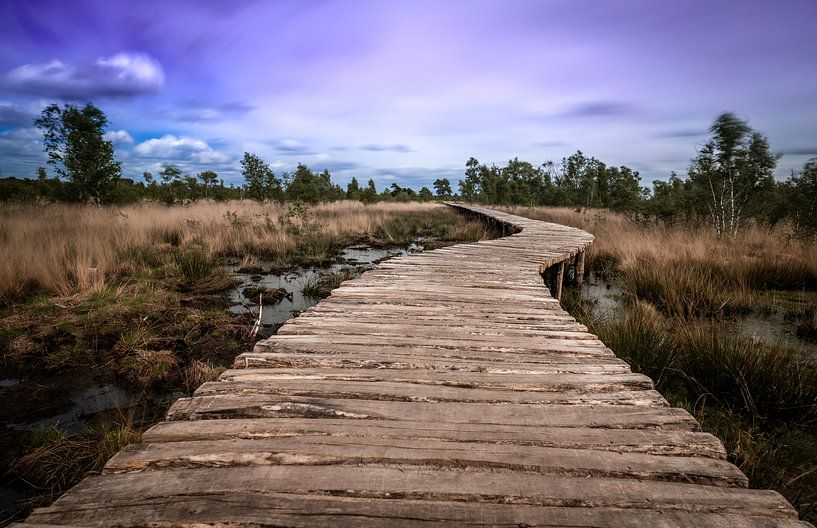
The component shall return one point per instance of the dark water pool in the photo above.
(354, 260)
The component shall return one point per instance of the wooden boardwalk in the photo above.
(446, 388)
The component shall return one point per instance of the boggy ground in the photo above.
(682, 289)
(132, 299)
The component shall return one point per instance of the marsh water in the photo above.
(354, 260)
(610, 303)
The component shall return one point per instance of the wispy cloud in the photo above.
(125, 74)
(293, 147)
(599, 109)
(683, 133)
(377, 147)
(202, 113)
(801, 151)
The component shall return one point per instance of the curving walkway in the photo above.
(446, 388)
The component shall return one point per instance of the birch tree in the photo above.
(730, 170)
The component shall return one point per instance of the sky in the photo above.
(407, 91)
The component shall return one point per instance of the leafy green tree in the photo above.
(171, 188)
(425, 194)
(399, 194)
(272, 186)
(208, 180)
(442, 187)
(75, 143)
(192, 189)
(526, 184)
(572, 180)
(353, 189)
(170, 173)
(369, 194)
(306, 186)
(470, 186)
(729, 172)
(670, 200)
(260, 182)
(802, 197)
(622, 189)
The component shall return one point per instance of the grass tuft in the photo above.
(149, 367)
(43, 436)
(54, 466)
(641, 338)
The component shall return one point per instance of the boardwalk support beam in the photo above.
(578, 267)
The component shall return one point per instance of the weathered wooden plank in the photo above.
(555, 415)
(307, 511)
(386, 328)
(454, 484)
(539, 382)
(650, 441)
(437, 322)
(270, 351)
(424, 453)
(543, 345)
(414, 392)
(397, 359)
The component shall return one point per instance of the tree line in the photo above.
(729, 182)
(87, 171)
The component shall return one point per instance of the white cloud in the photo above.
(133, 67)
(125, 74)
(119, 137)
(179, 148)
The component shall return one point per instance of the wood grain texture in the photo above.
(447, 388)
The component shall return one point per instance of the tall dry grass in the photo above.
(688, 271)
(61, 248)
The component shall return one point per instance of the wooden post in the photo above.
(560, 277)
(550, 279)
(579, 269)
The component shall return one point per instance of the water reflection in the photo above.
(356, 259)
(610, 303)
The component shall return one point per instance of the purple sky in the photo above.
(407, 91)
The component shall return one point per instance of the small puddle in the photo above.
(81, 408)
(609, 300)
(354, 260)
(772, 328)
